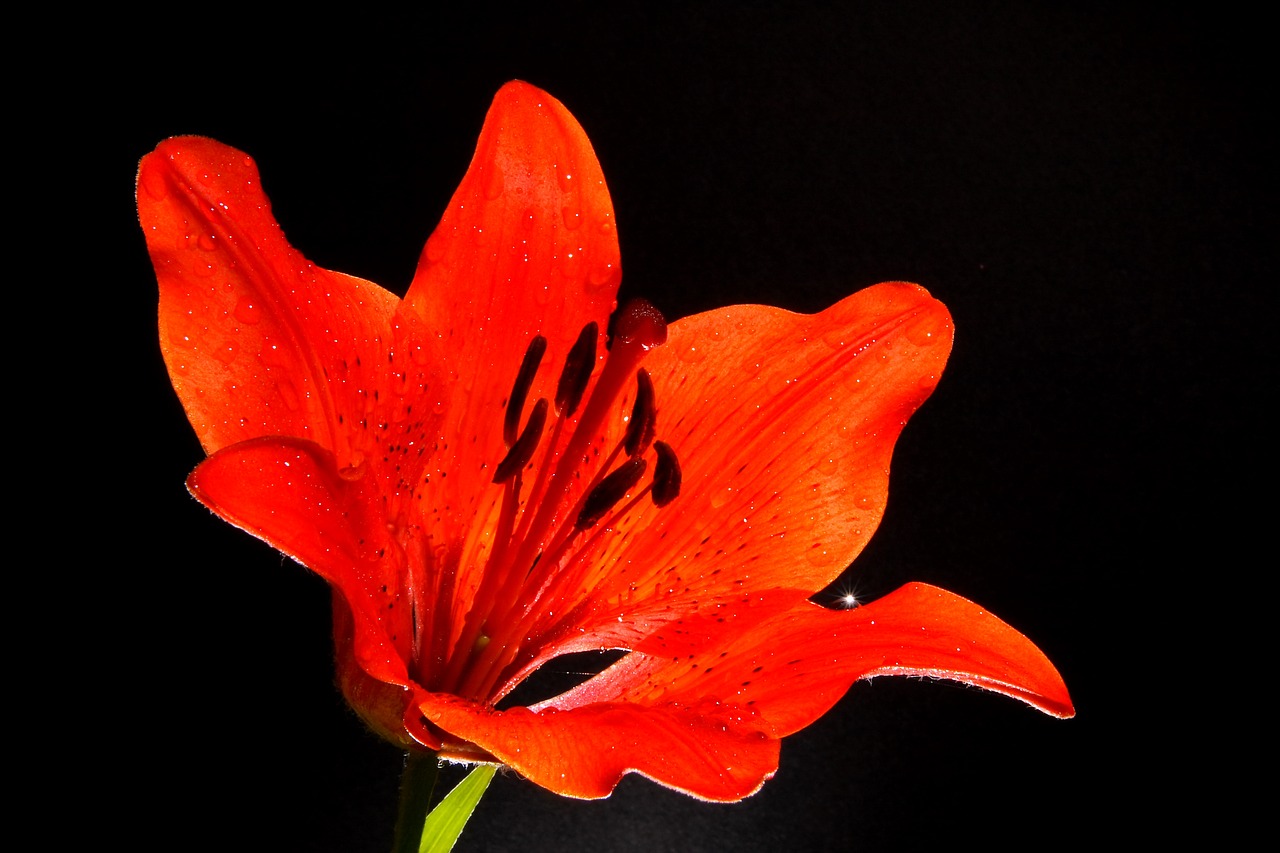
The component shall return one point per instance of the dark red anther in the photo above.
(577, 370)
(520, 391)
(522, 451)
(640, 322)
(666, 475)
(611, 490)
(644, 416)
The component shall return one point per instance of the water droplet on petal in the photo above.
(692, 354)
(922, 329)
(604, 275)
(289, 393)
(494, 183)
(818, 555)
(356, 469)
(437, 245)
(836, 338)
(247, 311)
(153, 184)
(227, 352)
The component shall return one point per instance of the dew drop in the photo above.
(572, 216)
(247, 311)
(227, 352)
(206, 242)
(400, 386)
(564, 178)
(827, 466)
(720, 497)
(437, 244)
(922, 330)
(356, 469)
(818, 555)
(204, 269)
(153, 184)
(836, 338)
(494, 183)
(289, 393)
(692, 354)
(604, 275)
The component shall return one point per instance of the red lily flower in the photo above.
(487, 486)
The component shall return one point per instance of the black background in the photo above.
(1083, 188)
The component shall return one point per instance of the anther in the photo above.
(666, 475)
(577, 370)
(520, 391)
(611, 490)
(522, 451)
(644, 416)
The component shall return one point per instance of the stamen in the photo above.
(666, 475)
(522, 451)
(577, 370)
(611, 490)
(644, 416)
(541, 549)
(520, 391)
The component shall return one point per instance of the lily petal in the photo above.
(792, 667)
(785, 425)
(257, 339)
(708, 722)
(527, 246)
(288, 493)
(584, 752)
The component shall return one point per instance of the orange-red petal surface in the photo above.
(288, 493)
(584, 752)
(708, 721)
(258, 340)
(792, 667)
(784, 425)
(527, 246)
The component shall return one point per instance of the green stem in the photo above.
(416, 786)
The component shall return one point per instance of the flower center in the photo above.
(549, 528)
